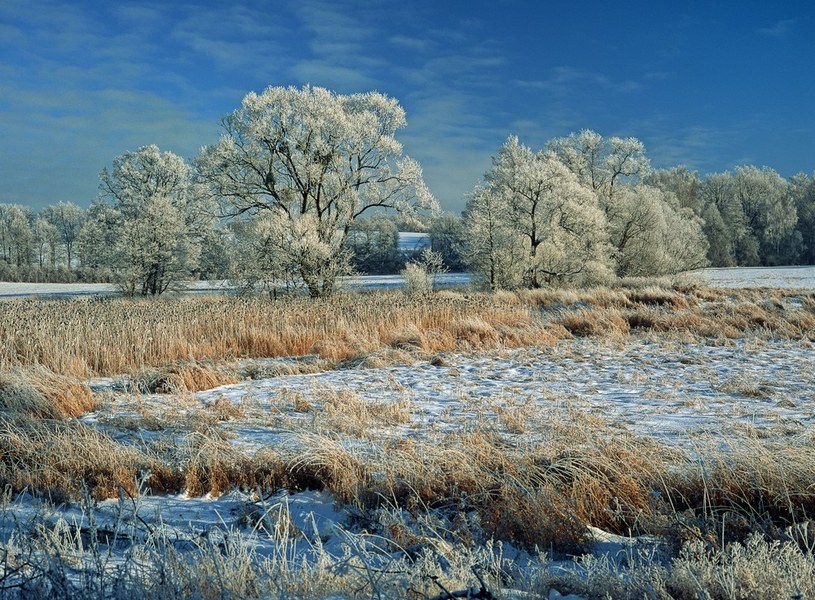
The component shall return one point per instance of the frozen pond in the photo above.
(777, 277)
(76, 290)
(771, 277)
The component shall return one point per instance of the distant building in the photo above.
(412, 243)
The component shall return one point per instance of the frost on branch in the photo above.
(314, 161)
(532, 223)
(146, 227)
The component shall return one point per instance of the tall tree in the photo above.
(68, 219)
(638, 215)
(550, 214)
(758, 212)
(447, 237)
(150, 230)
(681, 182)
(313, 162)
(731, 241)
(45, 240)
(603, 164)
(374, 245)
(491, 249)
(653, 236)
(802, 190)
(769, 210)
(15, 235)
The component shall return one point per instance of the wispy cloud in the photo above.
(330, 74)
(233, 37)
(417, 44)
(779, 28)
(83, 131)
(567, 80)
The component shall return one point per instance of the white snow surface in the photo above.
(778, 277)
(802, 277)
(78, 290)
(676, 393)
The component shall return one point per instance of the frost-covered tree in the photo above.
(46, 238)
(603, 164)
(491, 249)
(544, 211)
(718, 235)
(802, 190)
(374, 246)
(309, 162)
(15, 236)
(67, 218)
(98, 241)
(147, 225)
(652, 235)
(215, 261)
(681, 182)
(769, 210)
(259, 249)
(643, 220)
(447, 237)
(759, 215)
(731, 241)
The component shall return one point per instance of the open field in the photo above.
(634, 442)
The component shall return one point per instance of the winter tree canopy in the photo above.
(309, 162)
(542, 210)
(67, 218)
(145, 228)
(643, 221)
(577, 213)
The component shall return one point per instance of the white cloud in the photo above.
(568, 80)
(421, 45)
(779, 28)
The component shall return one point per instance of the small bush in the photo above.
(417, 280)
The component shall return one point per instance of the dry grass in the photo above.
(542, 494)
(603, 322)
(345, 412)
(175, 341)
(37, 392)
(56, 459)
(87, 338)
(183, 377)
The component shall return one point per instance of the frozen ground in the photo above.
(680, 394)
(677, 393)
(684, 395)
(66, 290)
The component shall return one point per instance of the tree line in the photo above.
(305, 185)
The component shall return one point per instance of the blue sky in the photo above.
(710, 85)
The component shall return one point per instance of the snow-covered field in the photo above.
(64, 290)
(753, 277)
(681, 394)
(676, 393)
(684, 395)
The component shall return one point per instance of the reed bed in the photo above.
(536, 495)
(85, 338)
(108, 337)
